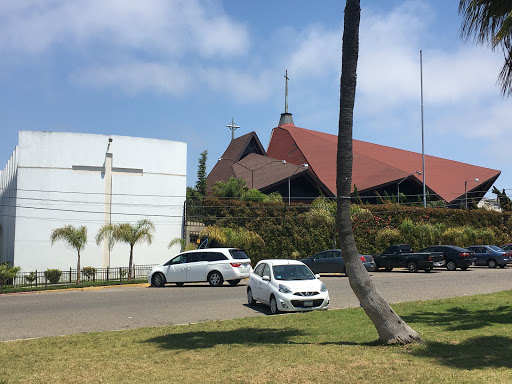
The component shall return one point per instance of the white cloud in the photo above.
(171, 27)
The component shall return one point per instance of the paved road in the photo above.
(115, 308)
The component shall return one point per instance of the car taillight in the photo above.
(508, 254)
(363, 259)
(236, 264)
(464, 254)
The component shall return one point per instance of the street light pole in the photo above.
(400, 182)
(466, 190)
(289, 178)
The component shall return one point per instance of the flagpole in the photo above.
(422, 134)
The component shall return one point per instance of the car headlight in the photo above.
(284, 289)
(323, 288)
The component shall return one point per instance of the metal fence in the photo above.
(39, 279)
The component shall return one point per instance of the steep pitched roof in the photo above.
(376, 165)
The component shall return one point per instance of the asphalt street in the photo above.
(54, 313)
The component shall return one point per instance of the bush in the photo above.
(53, 275)
(7, 273)
(89, 272)
(31, 277)
(386, 237)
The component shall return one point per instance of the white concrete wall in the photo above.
(50, 195)
(8, 182)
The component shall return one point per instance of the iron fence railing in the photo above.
(39, 279)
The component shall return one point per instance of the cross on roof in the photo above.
(233, 128)
(286, 92)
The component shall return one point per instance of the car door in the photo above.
(480, 255)
(197, 266)
(387, 259)
(263, 286)
(320, 262)
(334, 262)
(176, 269)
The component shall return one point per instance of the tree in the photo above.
(232, 237)
(390, 327)
(140, 232)
(200, 189)
(490, 22)
(75, 238)
(234, 188)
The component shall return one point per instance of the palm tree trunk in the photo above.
(131, 262)
(78, 269)
(390, 327)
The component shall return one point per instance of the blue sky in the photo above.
(180, 70)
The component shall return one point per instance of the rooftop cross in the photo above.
(233, 128)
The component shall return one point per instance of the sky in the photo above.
(183, 69)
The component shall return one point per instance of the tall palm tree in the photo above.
(390, 327)
(140, 232)
(75, 238)
(490, 22)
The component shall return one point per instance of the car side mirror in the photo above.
(317, 276)
(266, 278)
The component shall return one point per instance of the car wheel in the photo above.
(388, 269)
(234, 282)
(345, 271)
(250, 299)
(450, 265)
(464, 268)
(428, 269)
(179, 284)
(215, 279)
(502, 266)
(492, 263)
(274, 309)
(158, 280)
(412, 266)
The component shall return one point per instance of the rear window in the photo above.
(238, 254)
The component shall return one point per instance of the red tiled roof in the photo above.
(375, 165)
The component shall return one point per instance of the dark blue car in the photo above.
(331, 261)
(491, 255)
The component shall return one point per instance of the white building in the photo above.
(54, 179)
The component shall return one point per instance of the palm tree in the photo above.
(390, 327)
(142, 231)
(490, 22)
(75, 238)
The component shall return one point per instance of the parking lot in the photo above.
(128, 307)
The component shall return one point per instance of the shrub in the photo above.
(386, 237)
(31, 277)
(53, 275)
(7, 273)
(89, 272)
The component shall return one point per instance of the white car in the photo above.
(286, 285)
(214, 265)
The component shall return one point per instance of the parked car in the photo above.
(491, 255)
(506, 247)
(402, 256)
(286, 285)
(331, 261)
(214, 265)
(454, 257)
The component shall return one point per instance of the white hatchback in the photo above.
(214, 265)
(286, 285)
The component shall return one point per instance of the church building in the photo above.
(300, 164)
(55, 179)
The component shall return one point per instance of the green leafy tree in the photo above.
(140, 232)
(75, 238)
(490, 22)
(7, 272)
(390, 327)
(503, 199)
(200, 189)
(232, 237)
(233, 188)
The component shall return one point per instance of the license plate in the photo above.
(308, 303)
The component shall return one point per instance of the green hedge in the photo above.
(289, 233)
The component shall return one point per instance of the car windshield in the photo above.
(292, 272)
(495, 248)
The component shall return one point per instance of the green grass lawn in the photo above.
(467, 340)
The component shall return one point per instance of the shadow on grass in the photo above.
(245, 336)
(461, 319)
(474, 353)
